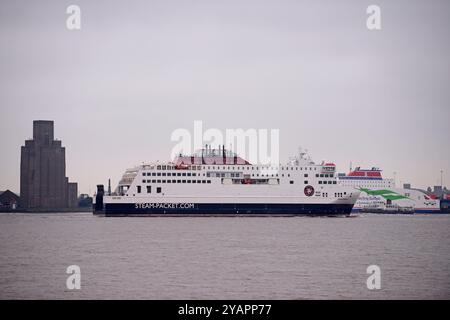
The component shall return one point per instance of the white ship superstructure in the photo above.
(218, 182)
(381, 195)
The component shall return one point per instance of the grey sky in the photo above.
(137, 70)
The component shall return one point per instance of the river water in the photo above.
(224, 258)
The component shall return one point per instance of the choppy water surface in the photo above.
(230, 258)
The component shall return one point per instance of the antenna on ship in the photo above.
(109, 187)
(204, 151)
(224, 157)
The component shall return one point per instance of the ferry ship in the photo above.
(380, 195)
(217, 182)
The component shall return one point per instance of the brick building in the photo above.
(8, 200)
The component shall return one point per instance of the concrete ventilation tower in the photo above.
(43, 181)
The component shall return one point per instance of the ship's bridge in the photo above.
(126, 180)
(328, 167)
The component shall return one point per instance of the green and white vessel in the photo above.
(380, 195)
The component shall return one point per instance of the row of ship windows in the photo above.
(220, 174)
(159, 189)
(149, 189)
(175, 181)
(170, 174)
(193, 167)
(325, 175)
(209, 181)
(329, 182)
(336, 195)
(320, 182)
(227, 174)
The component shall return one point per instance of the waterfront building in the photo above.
(43, 181)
